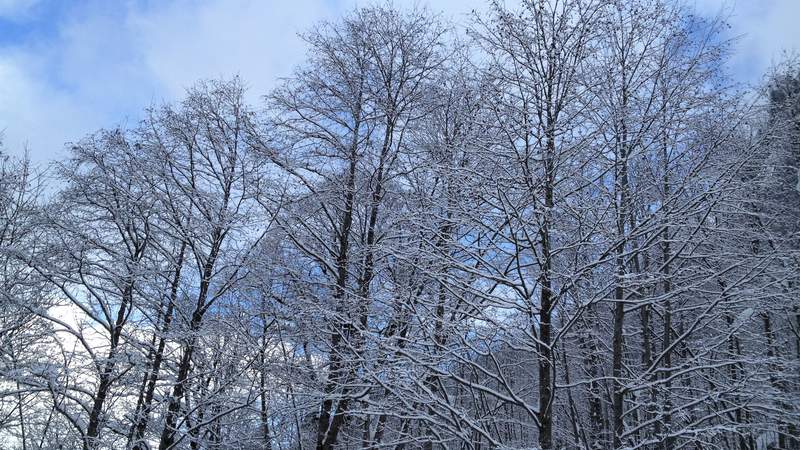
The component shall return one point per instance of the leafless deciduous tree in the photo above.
(562, 226)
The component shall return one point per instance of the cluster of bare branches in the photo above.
(562, 228)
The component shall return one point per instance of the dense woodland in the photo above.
(563, 226)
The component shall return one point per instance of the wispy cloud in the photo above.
(765, 31)
(98, 64)
(16, 9)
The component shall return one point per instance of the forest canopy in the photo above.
(561, 226)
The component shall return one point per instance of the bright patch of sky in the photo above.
(70, 67)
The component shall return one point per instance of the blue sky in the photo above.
(69, 67)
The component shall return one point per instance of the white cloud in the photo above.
(185, 41)
(33, 113)
(16, 9)
(107, 65)
(765, 28)
(107, 61)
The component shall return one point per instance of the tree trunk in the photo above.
(142, 414)
(327, 430)
(105, 381)
(546, 302)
